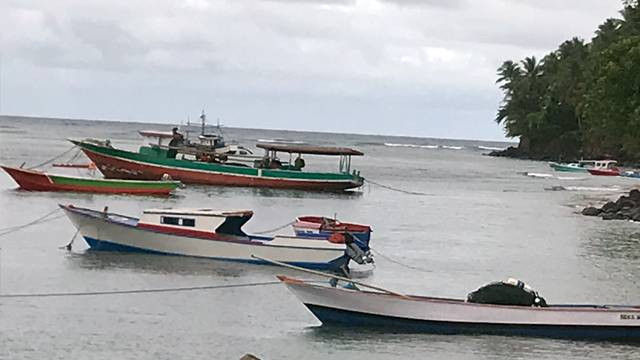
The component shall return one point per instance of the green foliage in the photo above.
(581, 100)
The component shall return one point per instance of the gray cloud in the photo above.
(291, 54)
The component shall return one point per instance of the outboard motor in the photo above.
(510, 292)
(354, 251)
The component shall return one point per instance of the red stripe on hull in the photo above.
(604, 172)
(118, 168)
(37, 181)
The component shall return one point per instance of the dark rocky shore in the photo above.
(627, 207)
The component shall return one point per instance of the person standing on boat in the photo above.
(176, 140)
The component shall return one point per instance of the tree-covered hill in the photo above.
(581, 100)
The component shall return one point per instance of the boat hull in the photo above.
(567, 168)
(39, 181)
(118, 233)
(121, 164)
(336, 306)
(604, 172)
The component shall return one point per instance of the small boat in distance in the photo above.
(580, 166)
(33, 180)
(320, 227)
(205, 233)
(395, 312)
(605, 168)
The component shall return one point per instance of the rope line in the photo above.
(54, 158)
(397, 189)
(276, 229)
(43, 219)
(378, 253)
(135, 291)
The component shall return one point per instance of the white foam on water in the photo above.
(538, 175)
(490, 148)
(452, 147)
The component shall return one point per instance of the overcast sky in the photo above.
(401, 67)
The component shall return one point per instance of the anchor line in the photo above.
(397, 262)
(43, 219)
(275, 229)
(136, 291)
(54, 158)
(397, 189)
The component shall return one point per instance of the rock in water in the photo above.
(249, 357)
(591, 211)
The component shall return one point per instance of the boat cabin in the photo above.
(270, 159)
(202, 220)
(605, 164)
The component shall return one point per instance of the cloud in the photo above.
(330, 52)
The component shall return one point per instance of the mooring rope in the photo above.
(275, 229)
(42, 219)
(136, 291)
(53, 158)
(397, 262)
(397, 189)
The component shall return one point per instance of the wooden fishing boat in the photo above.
(390, 311)
(320, 227)
(151, 163)
(203, 233)
(605, 168)
(33, 180)
(581, 166)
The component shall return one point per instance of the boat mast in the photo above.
(204, 119)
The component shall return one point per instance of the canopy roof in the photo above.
(156, 134)
(309, 149)
(200, 212)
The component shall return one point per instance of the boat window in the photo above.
(171, 220)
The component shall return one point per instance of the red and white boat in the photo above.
(203, 233)
(605, 168)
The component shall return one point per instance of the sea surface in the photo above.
(476, 219)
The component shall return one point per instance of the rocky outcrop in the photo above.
(627, 207)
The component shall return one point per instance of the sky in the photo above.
(396, 67)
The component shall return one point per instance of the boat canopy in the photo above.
(309, 149)
(199, 212)
(207, 220)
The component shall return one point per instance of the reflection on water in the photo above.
(152, 263)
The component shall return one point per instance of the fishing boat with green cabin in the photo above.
(155, 161)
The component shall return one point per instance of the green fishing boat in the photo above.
(154, 161)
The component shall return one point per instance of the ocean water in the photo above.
(479, 219)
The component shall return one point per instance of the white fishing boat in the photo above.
(384, 310)
(205, 233)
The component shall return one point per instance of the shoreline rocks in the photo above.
(627, 207)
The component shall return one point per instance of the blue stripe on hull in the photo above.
(101, 245)
(332, 316)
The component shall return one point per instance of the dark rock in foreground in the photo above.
(627, 207)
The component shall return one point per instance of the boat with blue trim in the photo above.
(206, 233)
(321, 227)
(384, 310)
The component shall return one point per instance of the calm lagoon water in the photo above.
(480, 220)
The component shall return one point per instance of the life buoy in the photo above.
(337, 238)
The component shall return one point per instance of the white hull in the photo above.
(448, 315)
(109, 235)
